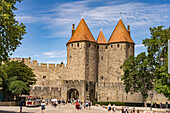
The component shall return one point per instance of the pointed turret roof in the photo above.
(120, 34)
(82, 33)
(101, 38)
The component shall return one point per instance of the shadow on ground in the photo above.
(1, 111)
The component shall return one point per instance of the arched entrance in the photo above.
(72, 93)
(92, 95)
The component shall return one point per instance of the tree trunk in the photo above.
(144, 101)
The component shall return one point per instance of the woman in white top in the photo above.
(113, 108)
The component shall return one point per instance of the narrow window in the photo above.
(72, 45)
(97, 47)
(101, 58)
(111, 46)
(44, 77)
(117, 45)
(78, 45)
(89, 44)
(106, 47)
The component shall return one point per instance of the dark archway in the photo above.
(92, 95)
(72, 93)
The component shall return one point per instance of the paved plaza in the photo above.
(71, 109)
(50, 109)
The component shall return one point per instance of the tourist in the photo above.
(81, 106)
(122, 109)
(89, 105)
(109, 107)
(21, 104)
(84, 104)
(113, 108)
(76, 105)
(133, 109)
(43, 106)
(161, 106)
(59, 103)
(55, 104)
(127, 110)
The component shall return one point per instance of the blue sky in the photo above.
(49, 22)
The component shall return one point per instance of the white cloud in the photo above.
(55, 54)
(60, 17)
(140, 45)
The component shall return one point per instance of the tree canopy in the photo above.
(145, 72)
(17, 77)
(137, 77)
(157, 49)
(11, 31)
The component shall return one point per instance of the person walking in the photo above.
(113, 108)
(59, 103)
(133, 109)
(89, 105)
(122, 110)
(84, 105)
(43, 106)
(21, 104)
(127, 109)
(109, 107)
(81, 106)
(55, 104)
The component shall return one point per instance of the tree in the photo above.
(137, 77)
(17, 78)
(157, 48)
(11, 32)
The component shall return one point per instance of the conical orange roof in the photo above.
(120, 34)
(101, 38)
(82, 33)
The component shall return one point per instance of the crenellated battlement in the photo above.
(35, 63)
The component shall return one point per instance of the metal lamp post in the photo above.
(162, 61)
(151, 95)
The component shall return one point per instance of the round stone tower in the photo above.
(81, 58)
(120, 46)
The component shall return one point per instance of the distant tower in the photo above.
(81, 59)
(102, 57)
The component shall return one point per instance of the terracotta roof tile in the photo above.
(101, 38)
(120, 34)
(82, 33)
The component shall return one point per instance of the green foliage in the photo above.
(17, 77)
(144, 72)
(157, 48)
(11, 32)
(18, 87)
(62, 62)
(137, 76)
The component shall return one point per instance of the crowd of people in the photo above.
(124, 109)
(111, 108)
(80, 105)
